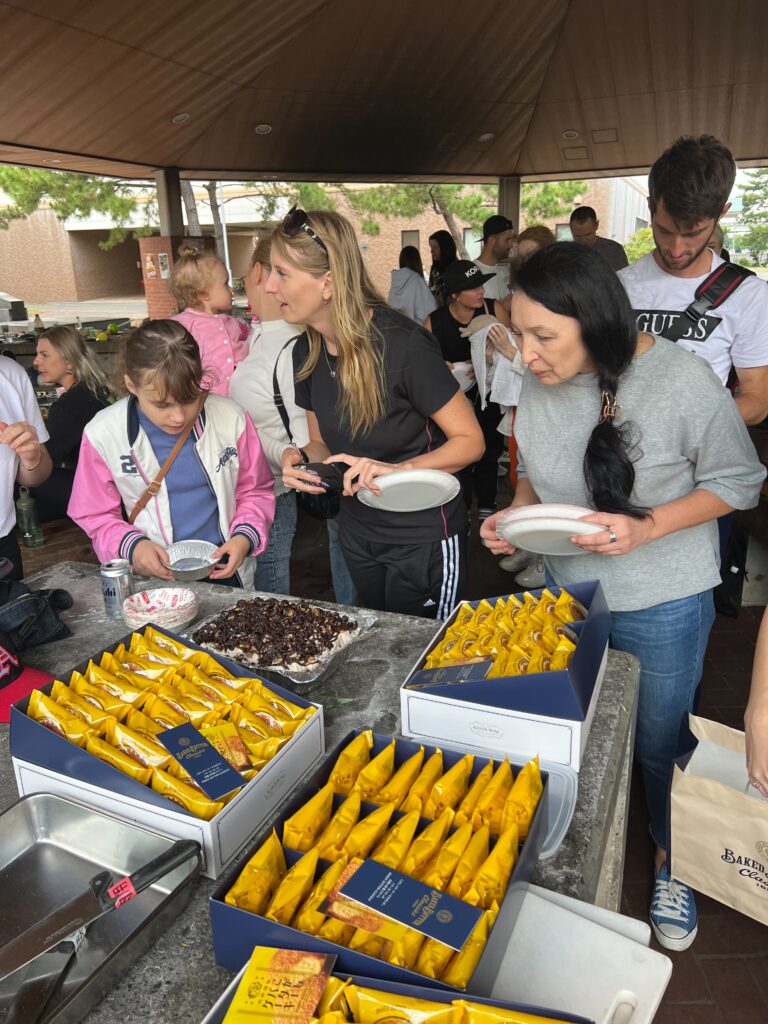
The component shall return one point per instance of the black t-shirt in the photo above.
(67, 419)
(445, 327)
(417, 385)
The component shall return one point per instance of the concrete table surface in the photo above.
(177, 980)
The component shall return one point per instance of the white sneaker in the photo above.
(533, 577)
(517, 562)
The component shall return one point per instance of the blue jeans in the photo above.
(670, 641)
(343, 587)
(273, 565)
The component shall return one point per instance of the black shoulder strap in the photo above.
(715, 289)
(277, 397)
(711, 293)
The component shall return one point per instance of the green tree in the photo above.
(543, 200)
(75, 195)
(639, 244)
(754, 214)
(471, 204)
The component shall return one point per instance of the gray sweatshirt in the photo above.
(690, 435)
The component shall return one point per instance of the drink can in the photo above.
(116, 585)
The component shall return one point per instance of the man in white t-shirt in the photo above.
(498, 239)
(24, 458)
(688, 189)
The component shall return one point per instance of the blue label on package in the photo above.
(471, 672)
(215, 776)
(390, 896)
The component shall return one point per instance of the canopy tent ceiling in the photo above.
(358, 90)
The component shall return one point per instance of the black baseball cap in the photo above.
(461, 275)
(495, 225)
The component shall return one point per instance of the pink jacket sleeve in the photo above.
(96, 507)
(255, 491)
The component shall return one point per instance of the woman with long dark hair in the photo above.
(644, 433)
(443, 249)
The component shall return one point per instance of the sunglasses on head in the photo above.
(295, 221)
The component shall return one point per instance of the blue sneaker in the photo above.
(673, 911)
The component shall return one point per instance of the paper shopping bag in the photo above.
(719, 823)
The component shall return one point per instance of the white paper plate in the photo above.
(172, 607)
(546, 535)
(546, 511)
(411, 490)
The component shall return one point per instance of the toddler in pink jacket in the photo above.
(200, 285)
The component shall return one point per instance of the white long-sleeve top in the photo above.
(251, 387)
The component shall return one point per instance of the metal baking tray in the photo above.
(299, 682)
(50, 848)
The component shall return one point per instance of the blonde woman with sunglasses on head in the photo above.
(378, 397)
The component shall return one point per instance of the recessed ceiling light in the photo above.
(263, 129)
(181, 118)
(486, 137)
(570, 134)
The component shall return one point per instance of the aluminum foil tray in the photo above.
(50, 848)
(297, 681)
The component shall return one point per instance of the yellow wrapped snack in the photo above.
(101, 698)
(77, 706)
(142, 749)
(245, 720)
(392, 849)
(540, 662)
(167, 643)
(333, 930)
(367, 943)
(301, 830)
(226, 739)
(473, 856)
(111, 665)
(433, 958)
(333, 998)
(350, 762)
(269, 715)
(158, 710)
(426, 844)
(261, 750)
(184, 795)
(463, 616)
(463, 964)
(559, 659)
(367, 832)
(398, 787)
(286, 708)
(293, 890)
(468, 804)
(309, 917)
(187, 688)
(376, 773)
(259, 878)
(490, 806)
(450, 788)
(439, 871)
(142, 723)
(193, 710)
(139, 664)
(334, 1017)
(371, 1006)
(120, 687)
(330, 843)
(422, 787)
(568, 609)
(404, 951)
(491, 881)
(118, 759)
(141, 646)
(211, 667)
(523, 798)
(58, 719)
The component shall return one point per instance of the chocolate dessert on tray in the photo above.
(293, 639)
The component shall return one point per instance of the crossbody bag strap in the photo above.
(154, 487)
(716, 288)
(277, 397)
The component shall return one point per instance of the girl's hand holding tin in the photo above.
(237, 548)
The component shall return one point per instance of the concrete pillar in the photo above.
(509, 198)
(169, 201)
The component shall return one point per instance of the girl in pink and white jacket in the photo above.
(200, 285)
(219, 488)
